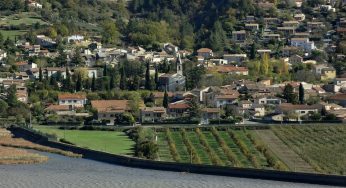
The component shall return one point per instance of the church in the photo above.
(173, 82)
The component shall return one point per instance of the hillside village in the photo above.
(277, 70)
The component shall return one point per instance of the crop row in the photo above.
(172, 146)
(213, 157)
(191, 149)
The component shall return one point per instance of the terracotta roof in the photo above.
(338, 97)
(178, 106)
(110, 105)
(204, 50)
(21, 63)
(289, 106)
(64, 96)
(229, 68)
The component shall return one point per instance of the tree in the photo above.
(105, 70)
(79, 83)
(110, 34)
(147, 77)
(11, 96)
(218, 38)
(289, 94)
(93, 83)
(122, 78)
(3, 108)
(264, 69)
(253, 51)
(165, 99)
(156, 77)
(40, 75)
(67, 82)
(301, 93)
(112, 82)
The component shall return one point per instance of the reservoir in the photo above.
(61, 171)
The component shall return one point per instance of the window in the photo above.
(302, 112)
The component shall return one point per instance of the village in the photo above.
(277, 71)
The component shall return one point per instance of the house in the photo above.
(7, 83)
(75, 38)
(45, 41)
(297, 111)
(269, 100)
(239, 36)
(72, 99)
(245, 104)
(173, 82)
(257, 110)
(25, 66)
(109, 110)
(230, 69)
(290, 24)
(287, 31)
(3, 55)
(222, 100)
(35, 5)
(299, 17)
(210, 114)
(178, 109)
(252, 27)
(205, 52)
(58, 109)
(271, 37)
(158, 97)
(21, 76)
(339, 99)
(315, 26)
(235, 58)
(325, 72)
(303, 43)
(22, 94)
(48, 71)
(153, 114)
(295, 59)
(340, 81)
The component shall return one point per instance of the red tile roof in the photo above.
(110, 105)
(65, 96)
(229, 69)
(178, 106)
(204, 50)
(338, 97)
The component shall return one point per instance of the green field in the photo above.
(108, 141)
(225, 147)
(24, 18)
(323, 147)
(12, 33)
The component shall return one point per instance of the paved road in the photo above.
(61, 171)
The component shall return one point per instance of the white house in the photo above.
(236, 58)
(303, 43)
(75, 38)
(72, 99)
(3, 55)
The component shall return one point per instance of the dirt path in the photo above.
(287, 155)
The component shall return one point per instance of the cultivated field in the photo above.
(323, 147)
(12, 33)
(108, 141)
(24, 18)
(213, 146)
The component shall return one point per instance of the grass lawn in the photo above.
(12, 33)
(25, 18)
(108, 141)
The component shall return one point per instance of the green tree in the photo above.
(79, 83)
(289, 94)
(264, 69)
(40, 75)
(93, 83)
(3, 108)
(218, 38)
(147, 77)
(165, 99)
(156, 77)
(11, 96)
(110, 34)
(123, 80)
(301, 93)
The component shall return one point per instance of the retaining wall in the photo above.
(182, 167)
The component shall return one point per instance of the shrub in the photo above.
(172, 146)
(191, 149)
(212, 155)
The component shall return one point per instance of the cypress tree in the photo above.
(40, 75)
(79, 83)
(93, 83)
(147, 77)
(301, 93)
(67, 84)
(122, 78)
(253, 51)
(105, 70)
(112, 82)
(156, 77)
(165, 99)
